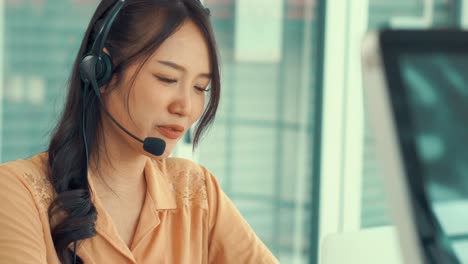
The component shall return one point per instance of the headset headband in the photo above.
(101, 36)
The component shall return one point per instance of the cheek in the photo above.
(198, 107)
(143, 102)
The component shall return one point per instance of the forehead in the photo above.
(186, 47)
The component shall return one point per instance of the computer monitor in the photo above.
(416, 94)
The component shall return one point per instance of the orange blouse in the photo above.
(186, 218)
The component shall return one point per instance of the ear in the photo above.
(103, 89)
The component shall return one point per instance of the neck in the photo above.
(118, 170)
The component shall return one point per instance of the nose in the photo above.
(182, 103)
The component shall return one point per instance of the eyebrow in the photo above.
(182, 69)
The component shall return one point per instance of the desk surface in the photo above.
(368, 246)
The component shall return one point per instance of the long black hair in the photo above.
(139, 29)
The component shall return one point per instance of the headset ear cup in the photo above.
(104, 70)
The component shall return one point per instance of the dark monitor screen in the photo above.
(428, 85)
(437, 100)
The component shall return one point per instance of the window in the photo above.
(261, 145)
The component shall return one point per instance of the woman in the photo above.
(98, 195)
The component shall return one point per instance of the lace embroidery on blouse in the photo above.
(42, 190)
(190, 188)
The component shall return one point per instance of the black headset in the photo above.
(96, 65)
(95, 71)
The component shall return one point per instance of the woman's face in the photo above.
(168, 94)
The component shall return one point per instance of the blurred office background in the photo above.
(290, 145)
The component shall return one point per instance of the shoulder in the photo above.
(189, 181)
(33, 169)
(28, 175)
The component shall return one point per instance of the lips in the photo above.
(171, 131)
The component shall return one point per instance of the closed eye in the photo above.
(166, 80)
(170, 81)
(201, 89)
